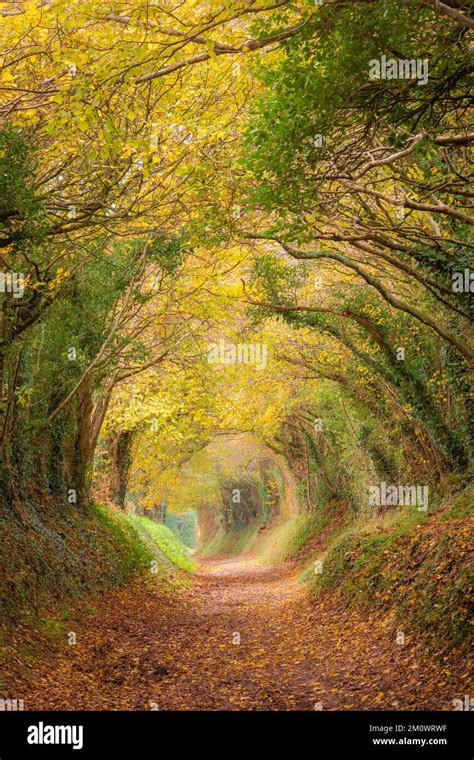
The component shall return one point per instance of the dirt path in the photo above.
(173, 651)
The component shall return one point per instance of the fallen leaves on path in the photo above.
(150, 649)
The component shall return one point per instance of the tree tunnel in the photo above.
(228, 495)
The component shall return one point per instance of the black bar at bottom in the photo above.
(132, 734)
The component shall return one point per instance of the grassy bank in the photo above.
(417, 567)
(159, 537)
(49, 559)
(230, 543)
(274, 544)
(57, 568)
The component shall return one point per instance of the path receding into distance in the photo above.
(146, 649)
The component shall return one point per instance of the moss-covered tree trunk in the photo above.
(120, 454)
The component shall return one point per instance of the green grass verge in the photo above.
(167, 542)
